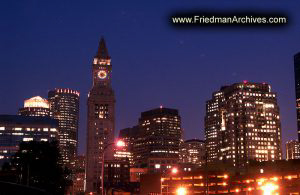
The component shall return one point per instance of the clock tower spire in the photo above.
(100, 119)
(102, 52)
(101, 65)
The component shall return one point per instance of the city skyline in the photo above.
(143, 65)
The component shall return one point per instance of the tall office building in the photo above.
(242, 123)
(297, 88)
(35, 106)
(292, 150)
(193, 152)
(15, 129)
(157, 144)
(64, 106)
(100, 119)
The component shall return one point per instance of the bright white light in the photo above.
(181, 191)
(120, 143)
(269, 188)
(174, 170)
(36, 102)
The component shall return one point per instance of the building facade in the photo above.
(297, 88)
(279, 177)
(35, 106)
(193, 152)
(78, 175)
(116, 175)
(292, 150)
(100, 119)
(128, 135)
(64, 106)
(157, 144)
(242, 123)
(15, 129)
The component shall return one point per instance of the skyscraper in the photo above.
(297, 88)
(100, 118)
(35, 106)
(292, 150)
(193, 152)
(64, 106)
(157, 144)
(242, 123)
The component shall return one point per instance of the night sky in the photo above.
(50, 44)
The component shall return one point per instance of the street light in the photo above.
(268, 188)
(119, 144)
(174, 170)
(181, 191)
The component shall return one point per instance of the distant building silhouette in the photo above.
(128, 135)
(79, 175)
(297, 88)
(193, 152)
(64, 106)
(15, 129)
(156, 146)
(242, 123)
(292, 150)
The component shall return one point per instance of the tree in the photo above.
(37, 165)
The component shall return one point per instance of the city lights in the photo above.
(120, 143)
(268, 188)
(181, 191)
(174, 170)
(36, 101)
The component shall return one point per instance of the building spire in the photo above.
(102, 50)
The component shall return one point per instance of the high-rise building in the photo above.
(157, 144)
(100, 118)
(15, 129)
(292, 150)
(128, 135)
(192, 152)
(35, 106)
(64, 106)
(297, 88)
(242, 123)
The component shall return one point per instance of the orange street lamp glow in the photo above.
(181, 191)
(225, 176)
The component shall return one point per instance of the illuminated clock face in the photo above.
(102, 74)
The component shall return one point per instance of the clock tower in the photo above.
(100, 118)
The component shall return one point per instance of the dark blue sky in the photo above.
(51, 44)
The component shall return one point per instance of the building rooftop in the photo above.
(159, 111)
